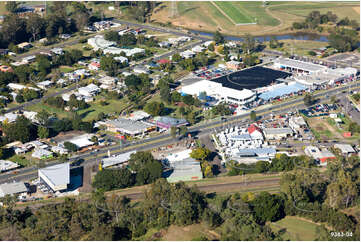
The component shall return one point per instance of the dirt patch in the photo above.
(177, 233)
(357, 9)
(321, 125)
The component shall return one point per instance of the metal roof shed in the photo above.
(12, 188)
(57, 177)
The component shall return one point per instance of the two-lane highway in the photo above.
(161, 140)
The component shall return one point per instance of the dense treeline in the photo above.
(278, 164)
(61, 18)
(233, 217)
(342, 39)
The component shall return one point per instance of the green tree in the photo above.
(19, 98)
(109, 179)
(211, 47)
(147, 168)
(308, 100)
(218, 38)
(108, 64)
(12, 6)
(253, 115)
(176, 57)
(268, 207)
(200, 154)
(173, 131)
(111, 36)
(35, 25)
(250, 60)
(70, 146)
(154, 108)
(333, 99)
(43, 132)
(22, 130)
(43, 117)
(249, 43)
(354, 127)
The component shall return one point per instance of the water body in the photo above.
(293, 36)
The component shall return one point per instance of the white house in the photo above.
(42, 154)
(45, 84)
(57, 51)
(141, 70)
(121, 59)
(98, 42)
(89, 90)
(187, 54)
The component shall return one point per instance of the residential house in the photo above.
(29, 59)
(60, 150)
(24, 45)
(164, 44)
(121, 59)
(42, 154)
(89, 91)
(297, 122)
(198, 49)
(141, 70)
(45, 84)
(6, 165)
(187, 54)
(57, 51)
(94, 66)
(255, 132)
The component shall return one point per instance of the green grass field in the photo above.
(88, 114)
(238, 14)
(302, 9)
(297, 229)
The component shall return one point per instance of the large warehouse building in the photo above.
(56, 177)
(220, 92)
(238, 87)
(311, 74)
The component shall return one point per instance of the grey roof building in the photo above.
(128, 126)
(12, 188)
(116, 160)
(57, 177)
(185, 170)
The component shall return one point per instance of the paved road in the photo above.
(161, 29)
(161, 140)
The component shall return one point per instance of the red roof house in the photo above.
(255, 132)
(163, 61)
